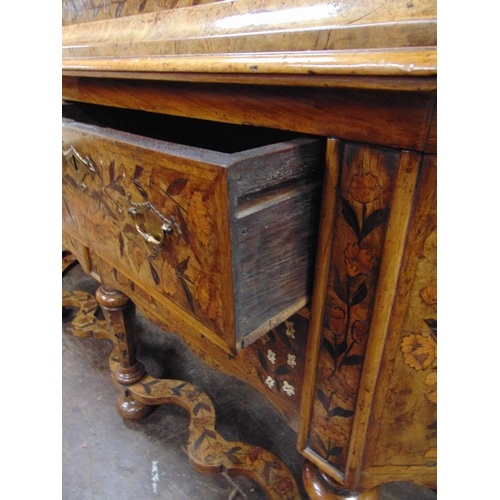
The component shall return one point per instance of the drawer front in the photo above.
(160, 215)
(228, 239)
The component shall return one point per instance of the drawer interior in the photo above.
(214, 136)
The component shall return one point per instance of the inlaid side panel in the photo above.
(363, 205)
(409, 396)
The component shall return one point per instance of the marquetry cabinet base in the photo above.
(260, 177)
(356, 373)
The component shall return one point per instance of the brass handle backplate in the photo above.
(151, 224)
(81, 166)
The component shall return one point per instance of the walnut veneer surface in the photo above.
(207, 240)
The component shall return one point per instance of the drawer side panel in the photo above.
(275, 256)
(278, 165)
(275, 195)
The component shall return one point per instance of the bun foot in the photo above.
(132, 409)
(319, 486)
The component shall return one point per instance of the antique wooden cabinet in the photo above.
(261, 178)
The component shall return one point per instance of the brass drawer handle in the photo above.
(150, 223)
(81, 166)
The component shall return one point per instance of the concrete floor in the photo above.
(106, 457)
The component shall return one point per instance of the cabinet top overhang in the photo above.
(370, 43)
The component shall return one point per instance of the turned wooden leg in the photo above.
(320, 486)
(119, 312)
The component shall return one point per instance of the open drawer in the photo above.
(220, 221)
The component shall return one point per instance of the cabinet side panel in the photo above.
(404, 419)
(362, 212)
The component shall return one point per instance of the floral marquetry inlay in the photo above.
(420, 351)
(207, 449)
(155, 221)
(407, 403)
(362, 213)
(277, 358)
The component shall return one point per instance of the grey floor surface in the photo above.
(106, 457)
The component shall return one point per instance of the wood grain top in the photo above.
(83, 11)
(300, 37)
